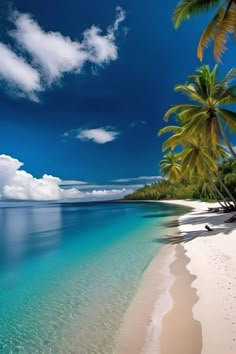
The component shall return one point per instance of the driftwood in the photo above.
(227, 209)
(215, 210)
(208, 228)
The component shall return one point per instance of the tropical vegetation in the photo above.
(218, 30)
(201, 130)
(199, 160)
(191, 189)
(198, 147)
(205, 113)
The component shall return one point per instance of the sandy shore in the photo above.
(142, 323)
(181, 333)
(213, 263)
(186, 303)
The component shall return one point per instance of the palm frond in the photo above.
(223, 93)
(209, 33)
(169, 129)
(172, 142)
(229, 118)
(189, 91)
(175, 109)
(227, 100)
(195, 124)
(170, 166)
(188, 114)
(187, 8)
(230, 76)
(226, 26)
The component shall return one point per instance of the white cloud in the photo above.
(72, 183)
(90, 187)
(25, 187)
(16, 184)
(102, 49)
(106, 192)
(148, 178)
(98, 135)
(54, 54)
(120, 17)
(18, 73)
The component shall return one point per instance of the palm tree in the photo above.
(206, 115)
(198, 160)
(209, 188)
(170, 167)
(222, 24)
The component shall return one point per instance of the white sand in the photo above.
(141, 328)
(213, 261)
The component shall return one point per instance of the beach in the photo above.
(212, 262)
(195, 312)
(149, 282)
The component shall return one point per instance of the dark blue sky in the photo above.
(138, 86)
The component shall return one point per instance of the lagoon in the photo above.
(68, 272)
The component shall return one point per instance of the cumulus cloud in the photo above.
(148, 178)
(100, 135)
(17, 184)
(18, 73)
(53, 54)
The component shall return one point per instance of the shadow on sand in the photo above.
(216, 223)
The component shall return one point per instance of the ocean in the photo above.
(68, 272)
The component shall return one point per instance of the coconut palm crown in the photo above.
(205, 114)
(170, 167)
(222, 24)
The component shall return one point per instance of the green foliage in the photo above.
(185, 189)
(227, 169)
(170, 167)
(165, 190)
(206, 119)
(222, 24)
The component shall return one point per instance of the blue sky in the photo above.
(93, 119)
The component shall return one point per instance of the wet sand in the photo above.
(141, 327)
(181, 333)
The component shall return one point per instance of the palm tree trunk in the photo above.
(220, 194)
(226, 140)
(226, 189)
(218, 200)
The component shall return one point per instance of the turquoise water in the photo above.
(69, 271)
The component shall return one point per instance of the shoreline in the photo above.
(181, 333)
(213, 263)
(207, 280)
(141, 328)
(151, 298)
